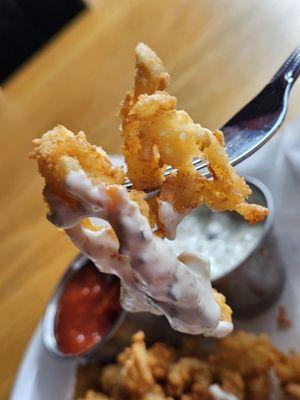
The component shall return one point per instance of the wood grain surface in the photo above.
(220, 53)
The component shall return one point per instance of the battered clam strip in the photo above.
(156, 135)
(242, 366)
(153, 278)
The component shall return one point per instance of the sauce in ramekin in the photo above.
(87, 309)
(223, 238)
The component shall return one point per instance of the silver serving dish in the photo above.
(257, 281)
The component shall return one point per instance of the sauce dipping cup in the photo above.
(81, 265)
(253, 285)
(245, 262)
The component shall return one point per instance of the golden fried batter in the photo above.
(189, 374)
(91, 395)
(240, 365)
(288, 369)
(136, 374)
(293, 390)
(60, 151)
(156, 135)
(226, 311)
(250, 354)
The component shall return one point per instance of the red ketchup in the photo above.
(87, 309)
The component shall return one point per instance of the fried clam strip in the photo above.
(241, 367)
(156, 135)
(59, 151)
(288, 371)
(108, 225)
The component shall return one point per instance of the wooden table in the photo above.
(219, 53)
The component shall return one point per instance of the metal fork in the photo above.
(257, 122)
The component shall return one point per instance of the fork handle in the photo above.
(290, 69)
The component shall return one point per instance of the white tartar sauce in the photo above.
(224, 238)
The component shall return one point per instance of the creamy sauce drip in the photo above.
(170, 218)
(153, 278)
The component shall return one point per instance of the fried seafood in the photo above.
(243, 366)
(156, 135)
(112, 228)
(122, 232)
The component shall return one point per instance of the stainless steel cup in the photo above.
(49, 320)
(255, 283)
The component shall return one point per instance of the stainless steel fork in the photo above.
(257, 122)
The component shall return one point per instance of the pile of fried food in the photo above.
(243, 366)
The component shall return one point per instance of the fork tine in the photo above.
(290, 69)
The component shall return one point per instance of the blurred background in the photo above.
(70, 62)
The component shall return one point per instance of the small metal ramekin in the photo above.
(49, 337)
(257, 281)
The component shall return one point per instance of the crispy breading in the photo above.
(250, 354)
(293, 390)
(240, 365)
(157, 135)
(151, 75)
(189, 372)
(111, 379)
(226, 311)
(91, 395)
(288, 369)
(136, 375)
(160, 356)
(259, 387)
(59, 151)
(231, 381)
